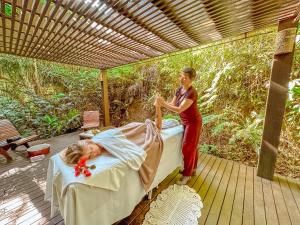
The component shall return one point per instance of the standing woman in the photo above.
(185, 103)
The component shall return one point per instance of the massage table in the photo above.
(83, 204)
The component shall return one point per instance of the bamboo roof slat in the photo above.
(109, 33)
(29, 26)
(37, 27)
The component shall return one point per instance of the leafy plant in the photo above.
(171, 116)
(8, 9)
(208, 149)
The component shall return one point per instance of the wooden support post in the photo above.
(104, 86)
(278, 90)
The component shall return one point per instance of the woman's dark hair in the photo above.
(190, 72)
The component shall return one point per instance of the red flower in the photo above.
(81, 167)
(77, 173)
(77, 168)
(87, 173)
(82, 162)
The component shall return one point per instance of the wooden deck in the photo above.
(231, 193)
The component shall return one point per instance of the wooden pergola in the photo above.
(108, 33)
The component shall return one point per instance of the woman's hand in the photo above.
(160, 100)
(157, 103)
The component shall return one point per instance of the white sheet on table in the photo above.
(115, 142)
(83, 204)
(107, 174)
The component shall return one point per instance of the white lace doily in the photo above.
(176, 205)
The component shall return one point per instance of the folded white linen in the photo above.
(168, 123)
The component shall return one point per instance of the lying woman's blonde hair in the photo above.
(74, 152)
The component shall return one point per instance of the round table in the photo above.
(41, 149)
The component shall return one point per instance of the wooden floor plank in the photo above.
(203, 189)
(200, 168)
(137, 220)
(55, 220)
(26, 173)
(202, 176)
(13, 167)
(21, 200)
(21, 173)
(209, 194)
(259, 204)
(270, 209)
(239, 198)
(289, 201)
(29, 206)
(281, 209)
(32, 216)
(295, 191)
(140, 208)
(248, 213)
(17, 191)
(35, 218)
(42, 219)
(224, 218)
(213, 216)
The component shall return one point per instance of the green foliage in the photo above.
(171, 116)
(296, 91)
(249, 132)
(49, 101)
(219, 128)
(206, 119)
(8, 9)
(126, 70)
(57, 125)
(16, 113)
(58, 95)
(51, 120)
(293, 106)
(209, 149)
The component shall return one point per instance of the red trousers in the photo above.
(190, 142)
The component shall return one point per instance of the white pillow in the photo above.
(168, 123)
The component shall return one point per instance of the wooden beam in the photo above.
(278, 91)
(104, 86)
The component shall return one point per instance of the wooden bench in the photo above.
(8, 131)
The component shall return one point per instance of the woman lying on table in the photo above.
(139, 145)
(90, 149)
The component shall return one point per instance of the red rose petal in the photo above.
(77, 173)
(87, 173)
